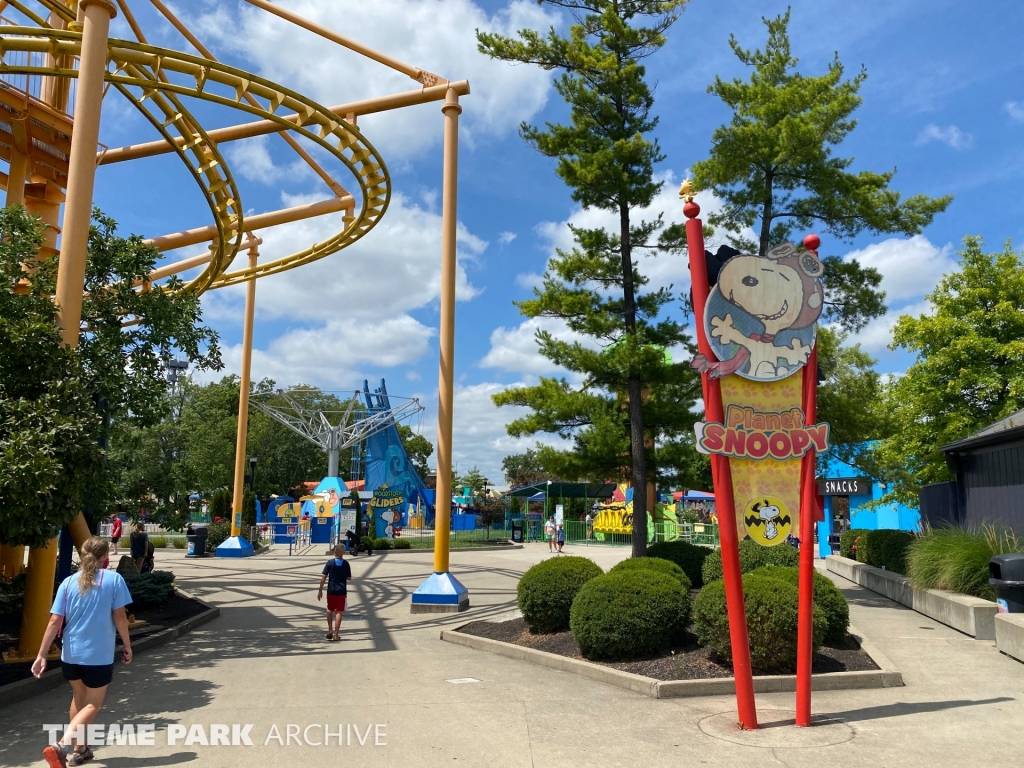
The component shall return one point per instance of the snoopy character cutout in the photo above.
(767, 520)
(760, 317)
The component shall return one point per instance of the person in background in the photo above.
(140, 544)
(560, 537)
(336, 573)
(149, 561)
(116, 529)
(590, 526)
(549, 533)
(88, 609)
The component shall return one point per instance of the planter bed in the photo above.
(178, 611)
(971, 615)
(684, 671)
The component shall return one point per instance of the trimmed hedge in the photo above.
(689, 557)
(546, 591)
(885, 548)
(149, 589)
(847, 540)
(654, 565)
(403, 544)
(752, 557)
(828, 600)
(771, 608)
(382, 544)
(629, 614)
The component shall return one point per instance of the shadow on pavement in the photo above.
(900, 708)
(130, 762)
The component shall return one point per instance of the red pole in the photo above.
(808, 498)
(724, 504)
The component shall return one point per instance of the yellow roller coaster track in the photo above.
(137, 75)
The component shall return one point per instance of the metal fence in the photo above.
(582, 532)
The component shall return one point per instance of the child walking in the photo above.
(336, 574)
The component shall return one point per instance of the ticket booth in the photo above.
(321, 521)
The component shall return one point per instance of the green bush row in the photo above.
(885, 548)
(828, 600)
(752, 557)
(149, 589)
(689, 557)
(848, 542)
(546, 591)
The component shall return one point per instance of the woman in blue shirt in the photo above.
(90, 605)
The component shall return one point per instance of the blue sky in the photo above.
(943, 103)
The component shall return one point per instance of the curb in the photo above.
(887, 676)
(427, 550)
(19, 691)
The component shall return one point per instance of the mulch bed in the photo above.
(686, 662)
(174, 610)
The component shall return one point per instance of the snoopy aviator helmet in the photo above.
(761, 315)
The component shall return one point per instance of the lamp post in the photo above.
(252, 472)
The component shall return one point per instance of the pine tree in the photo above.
(606, 157)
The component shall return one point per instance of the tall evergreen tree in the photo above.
(774, 168)
(606, 156)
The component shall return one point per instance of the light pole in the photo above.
(252, 472)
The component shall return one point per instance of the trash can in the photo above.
(196, 546)
(517, 531)
(1006, 575)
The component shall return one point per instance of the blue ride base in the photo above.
(235, 546)
(440, 593)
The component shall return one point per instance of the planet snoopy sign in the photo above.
(760, 320)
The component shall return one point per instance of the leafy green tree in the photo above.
(774, 167)
(606, 155)
(968, 371)
(418, 448)
(523, 469)
(58, 406)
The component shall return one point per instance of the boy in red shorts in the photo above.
(336, 574)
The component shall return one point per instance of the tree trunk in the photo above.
(766, 215)
(634, 391)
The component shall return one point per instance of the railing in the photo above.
(43, 88)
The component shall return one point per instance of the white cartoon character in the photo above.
(389, 516)
(757, 300)
(767, 520)
(769, 513)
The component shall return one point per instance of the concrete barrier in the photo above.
(1010, 634)
(970, 615)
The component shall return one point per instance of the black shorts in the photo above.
(115, 539)
(91, 675)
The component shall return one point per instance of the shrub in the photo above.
(217, 534)
(220, 504)
(771, 608)
(828, 600)
(546, 591)
(752, 557)
(403, 544)
(887, 549)
(126, 566)
(847, 540)
(957, 558)
(179, 543)
(654, 565)
(12, 595)
(689, 557)
(382, 544)
(629, 614)
(149, 589)
(159, 542)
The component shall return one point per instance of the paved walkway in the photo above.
(265, 661)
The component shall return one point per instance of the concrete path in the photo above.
(266, 662)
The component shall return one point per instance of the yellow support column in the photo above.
(95, 25)
(442, 592)
(12, 560)
(238, 545)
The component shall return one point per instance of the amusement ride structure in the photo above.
(58, 65)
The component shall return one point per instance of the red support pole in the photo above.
(724, 504)
(808, 502)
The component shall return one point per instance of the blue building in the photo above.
(847, 491)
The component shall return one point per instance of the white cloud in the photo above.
(515, 349)
(479, 437)
(1015, 109)
(950, 135)
(251, 159)
(436, 36)
(875, 337)
(910, 267)
(393, 269)
(529, 280)
(506, 237)
(327, 356)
